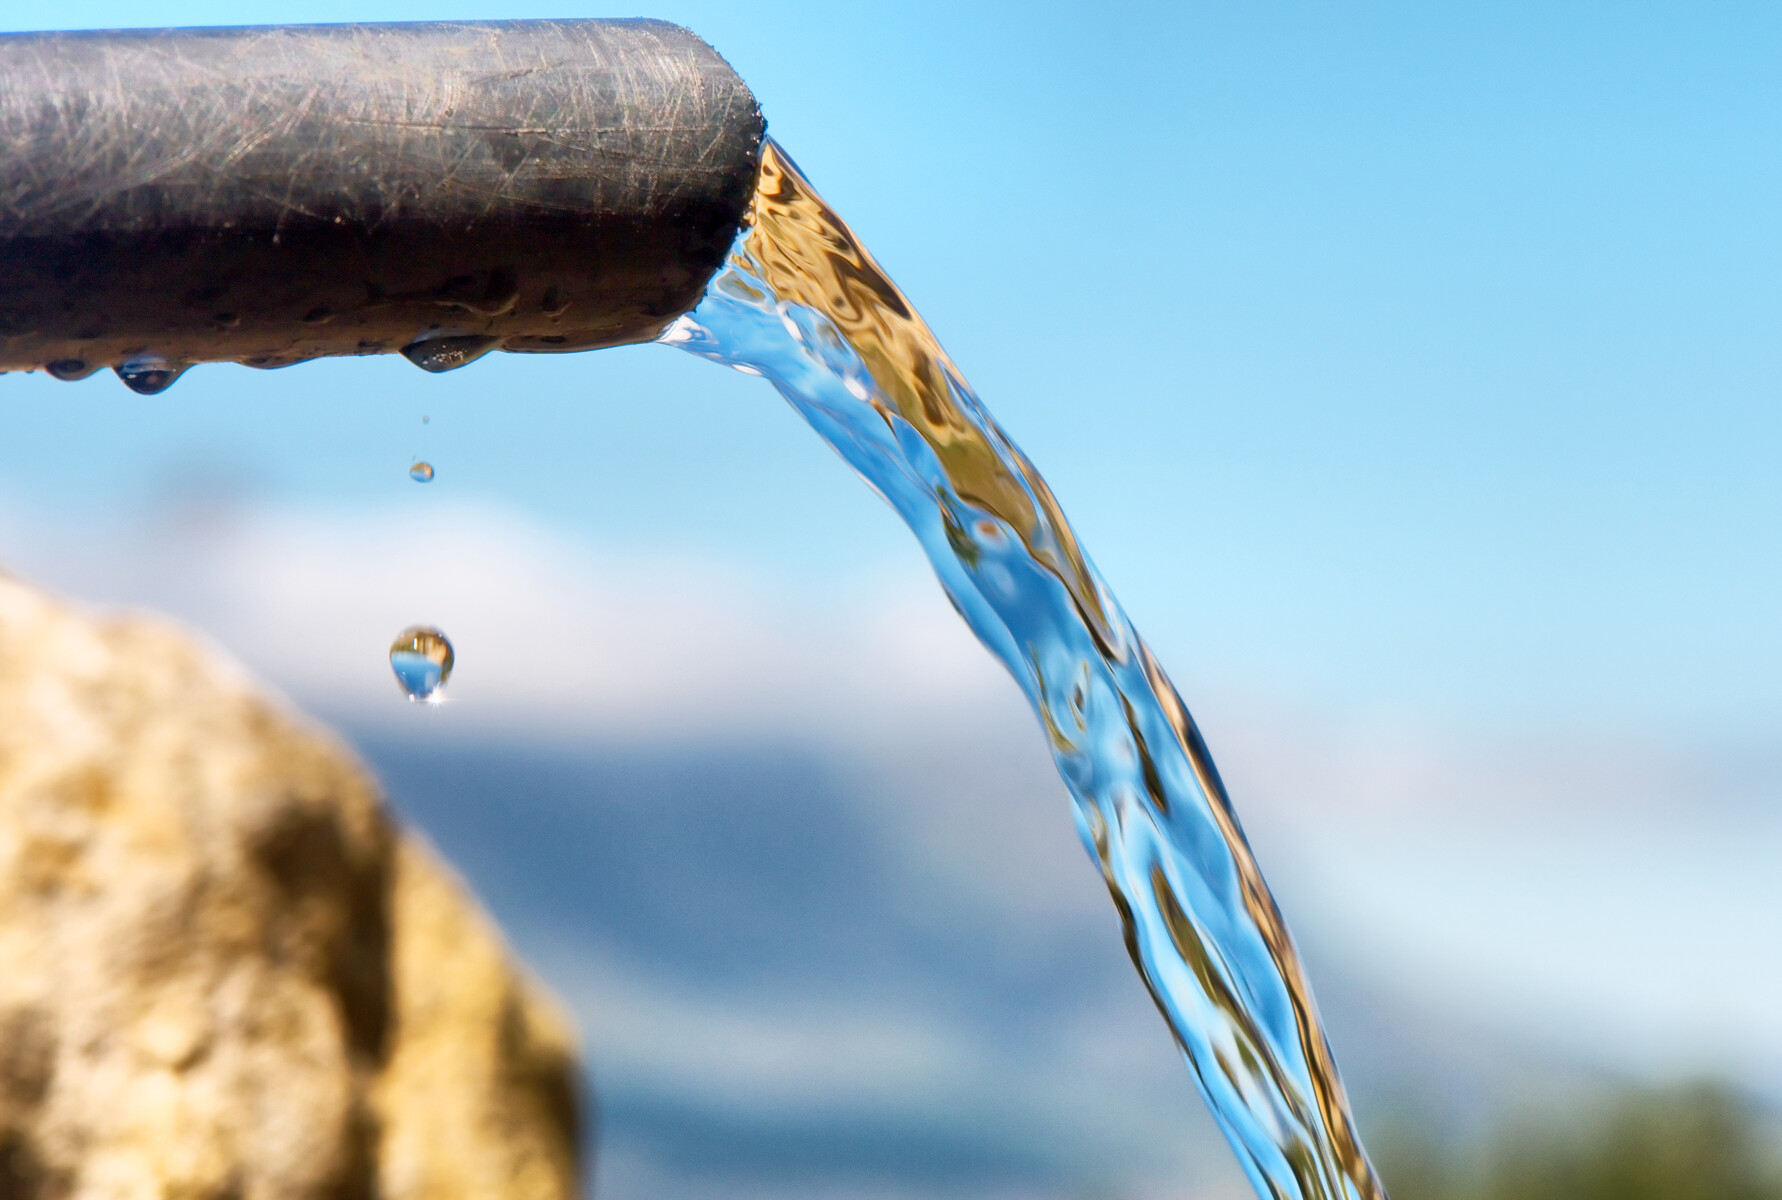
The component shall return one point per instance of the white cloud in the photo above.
(1611, 892)
(552, 640)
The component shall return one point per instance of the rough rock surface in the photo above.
(224, 973)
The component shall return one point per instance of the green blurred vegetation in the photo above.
(1701, 1142)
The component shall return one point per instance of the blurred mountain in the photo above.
(786, 992)
(799, 860)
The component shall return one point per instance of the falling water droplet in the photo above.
(69, 369)
(149, 376)
(425, 420)
(438, 354)
(421, 657)
(421, 472)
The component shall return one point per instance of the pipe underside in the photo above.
(270, 195)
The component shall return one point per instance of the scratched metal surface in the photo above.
(272, 194)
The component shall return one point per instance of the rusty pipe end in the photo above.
(271, 195)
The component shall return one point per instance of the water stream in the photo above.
(802, 303)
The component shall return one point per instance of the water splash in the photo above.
(421, 658)
(801, 302)
(421, 472)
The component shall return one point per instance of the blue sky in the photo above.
(1415, 357)
(1412, 371)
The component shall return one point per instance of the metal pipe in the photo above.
(270, 195)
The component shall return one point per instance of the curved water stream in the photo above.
(801, 302)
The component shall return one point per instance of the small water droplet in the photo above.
(438, 354)
(421, 657)
(149, 376)
(425, 420)
(421, 472)
(69, 369)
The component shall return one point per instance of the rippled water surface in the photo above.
(802, 303)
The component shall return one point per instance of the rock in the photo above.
(224, 972)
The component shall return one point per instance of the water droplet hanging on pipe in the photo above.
(422, 659)
(149, 376)
(69, 369)
(438, 354)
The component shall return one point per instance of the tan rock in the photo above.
(224, 973)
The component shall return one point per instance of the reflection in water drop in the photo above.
(149, 375)
(422, 659)
(69, 369)
(421, 472)
(438, 354)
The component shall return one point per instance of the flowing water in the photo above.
(802, 303)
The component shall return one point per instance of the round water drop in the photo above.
(421, 472)
(149, 376)
(421, 657)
